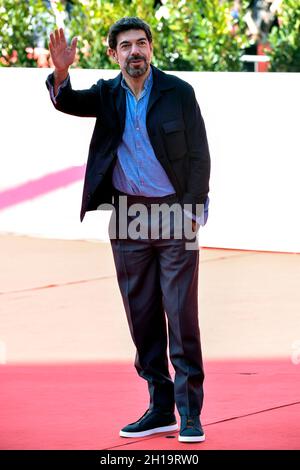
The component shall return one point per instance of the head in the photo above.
(130, 45)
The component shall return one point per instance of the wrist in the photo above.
(60, 74)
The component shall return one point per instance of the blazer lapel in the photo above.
(119, 100)
(154, 97)
(160, 83)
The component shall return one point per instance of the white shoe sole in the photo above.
(172, 427)
(191, 438)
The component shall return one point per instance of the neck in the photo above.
(136, 84)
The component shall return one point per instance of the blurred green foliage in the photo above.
(23, 24)
(285, 40)
(194, 35)
(187, 34)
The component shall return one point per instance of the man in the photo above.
(149, 145)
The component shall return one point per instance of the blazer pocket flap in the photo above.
(173, 126)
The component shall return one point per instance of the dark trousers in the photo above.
(158, 280)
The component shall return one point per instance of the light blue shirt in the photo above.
(137, 170)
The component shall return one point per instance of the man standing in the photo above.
(149, 145)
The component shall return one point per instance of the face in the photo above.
(133, 52)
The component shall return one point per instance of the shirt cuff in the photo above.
(202, 219)
(61, 86)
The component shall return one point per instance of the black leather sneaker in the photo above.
(191, 429)
(152, 422)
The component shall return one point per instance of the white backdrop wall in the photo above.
(252, 123)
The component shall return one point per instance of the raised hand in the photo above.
(62, 55)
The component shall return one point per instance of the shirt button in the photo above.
(137, 128)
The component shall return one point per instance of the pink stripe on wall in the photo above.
(46, 184)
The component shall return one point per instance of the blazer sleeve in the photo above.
(197, 186)
(84, 103)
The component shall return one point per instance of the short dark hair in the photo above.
(124, 24)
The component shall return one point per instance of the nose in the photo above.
(135, 49)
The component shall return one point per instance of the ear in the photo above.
(113, 54)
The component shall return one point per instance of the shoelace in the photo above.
(190, 423)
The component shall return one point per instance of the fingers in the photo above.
(52, 40)
(61, 54)
(74, 43)
(51, 48)
(62, 37)
(58, 39)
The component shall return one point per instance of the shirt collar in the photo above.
(148, 83)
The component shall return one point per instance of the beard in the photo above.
(136, 70)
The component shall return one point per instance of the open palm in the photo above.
(62, 55)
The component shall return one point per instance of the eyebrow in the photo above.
(129, 42)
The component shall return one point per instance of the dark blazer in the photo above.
(175, 127)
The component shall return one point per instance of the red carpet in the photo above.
(248, 405)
